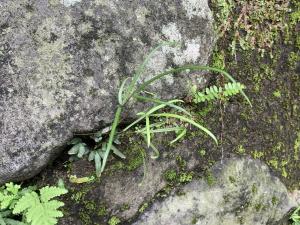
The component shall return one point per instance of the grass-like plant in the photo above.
(131, 89)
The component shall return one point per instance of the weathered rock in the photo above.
(240, 191)
(61, 66)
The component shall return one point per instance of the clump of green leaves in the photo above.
(134, 90)
(96, 154)
(32, 206)
(295, 217)
(130, 89)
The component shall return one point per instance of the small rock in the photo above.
(239, 191)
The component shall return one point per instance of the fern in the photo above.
(215, 92)
(41, 209)
(8, 194)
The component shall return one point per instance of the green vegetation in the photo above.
(143, 207)
(174, 121)
(114, 221)
(170, 175)
(252, 25)
(185, 177)
(80, 149)
(295, 217)
(214, 92)
(210, 179)
(35, 208)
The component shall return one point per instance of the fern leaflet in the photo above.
(215, 92)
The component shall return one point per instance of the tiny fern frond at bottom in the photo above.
(215, 92)
(41, 210)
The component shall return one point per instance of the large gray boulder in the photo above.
(61, 63)
(238, 191)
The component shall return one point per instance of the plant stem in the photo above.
(112, 136)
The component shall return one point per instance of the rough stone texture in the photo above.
(123, 183)
(61, 63)
(242, 192)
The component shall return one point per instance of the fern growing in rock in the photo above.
(214, 92)
(41, 209)
(33, 207)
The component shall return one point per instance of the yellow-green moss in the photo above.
(114, 220)
(210, 179)
(202, 152)
(180, 162)
(84, 217)
(143, 207)
(277, 94)
(102, 211)
(241, 149)
(185, 177)
(170, 175)
(257, 154)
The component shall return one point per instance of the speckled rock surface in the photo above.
(62, 61)
(240, 191)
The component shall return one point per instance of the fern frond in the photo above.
(8, 195)
(44, 214)
(29, 200)
(47, 193)
(215, 92)
(41, 210)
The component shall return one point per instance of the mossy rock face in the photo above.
(123, 190)
(244, 192)
(62, 62)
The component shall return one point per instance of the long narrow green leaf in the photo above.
(179, 136)
(189, 121)
(117, 152)
(161, 130)
(148, 131)
(156, 155)
(141, 69)
(111, 137)
(121, 90)
(149, 112)
(134, 122)
(155, 100)
(156, 152)
(144, 166)
(157, 125)
(187, 68)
